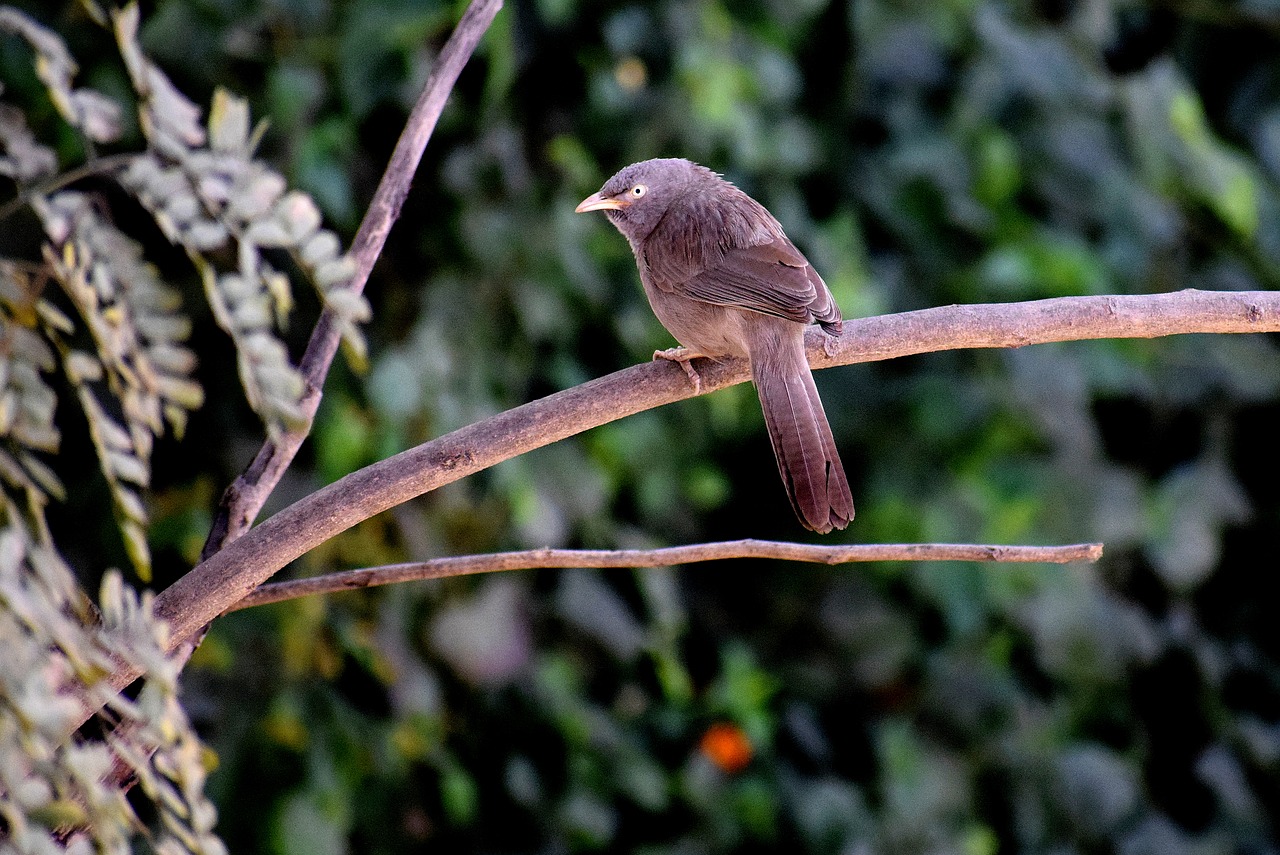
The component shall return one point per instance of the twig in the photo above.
(54, 183)
(244, 498)
(226, 578)
(465, 565)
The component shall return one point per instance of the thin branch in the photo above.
(54, 183)
(466, 565)
(226, 578)
(244, 498)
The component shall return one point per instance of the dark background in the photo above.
(921, 153)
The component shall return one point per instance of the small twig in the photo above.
(244, 498)
(53, 183)
(465, 565)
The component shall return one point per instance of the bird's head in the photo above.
(638, 196)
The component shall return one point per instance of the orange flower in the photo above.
(727, 746)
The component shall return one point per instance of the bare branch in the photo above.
(218, 583)
(465, 565)
(244, 498)
(226, 578)
(983, 325)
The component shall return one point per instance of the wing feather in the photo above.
(728, 250)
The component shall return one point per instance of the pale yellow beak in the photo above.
(596, 202)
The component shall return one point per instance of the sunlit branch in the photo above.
(227, 577)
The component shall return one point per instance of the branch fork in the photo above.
(237, 559)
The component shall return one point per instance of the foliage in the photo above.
(119, 336)
(920, 153)
(64, 795)
(208, 195)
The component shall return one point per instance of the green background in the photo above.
(921, 153)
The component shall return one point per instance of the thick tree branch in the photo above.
(226, 578)
(985, 325)
(466, 565)
(244, 498)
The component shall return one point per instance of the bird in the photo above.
(725, 281)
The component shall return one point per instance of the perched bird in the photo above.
(725, 281)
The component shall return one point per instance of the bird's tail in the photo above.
(807, 457)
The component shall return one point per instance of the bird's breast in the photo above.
(707, 328)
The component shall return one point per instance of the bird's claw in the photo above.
(684, 357)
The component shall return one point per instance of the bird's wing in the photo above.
(771, 278)
(736, 255)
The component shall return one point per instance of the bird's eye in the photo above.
(639, 190)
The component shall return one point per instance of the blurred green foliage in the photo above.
(921, 154)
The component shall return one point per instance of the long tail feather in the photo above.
(802, 442)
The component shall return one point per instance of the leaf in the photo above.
(322, 247)
(24, 160)
(228, 123)
(43, 476)
(96, 115)
(299, 215)
(135, 545)
(169, 119)
(82, 367)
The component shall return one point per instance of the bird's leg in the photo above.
(684, 356)
(832, 330)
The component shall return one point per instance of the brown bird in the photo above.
(725, 281)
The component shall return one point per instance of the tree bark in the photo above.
(225, 578)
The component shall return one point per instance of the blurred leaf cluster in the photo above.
(89, 323)
(65, 795)
(921, 154)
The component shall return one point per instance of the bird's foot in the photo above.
(829, 346)
(684, 357)
(833, 329)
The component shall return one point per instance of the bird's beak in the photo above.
(596, 202)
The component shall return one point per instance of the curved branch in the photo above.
(466, 565)
(221, 581)
(226, 578)
(244, 498)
